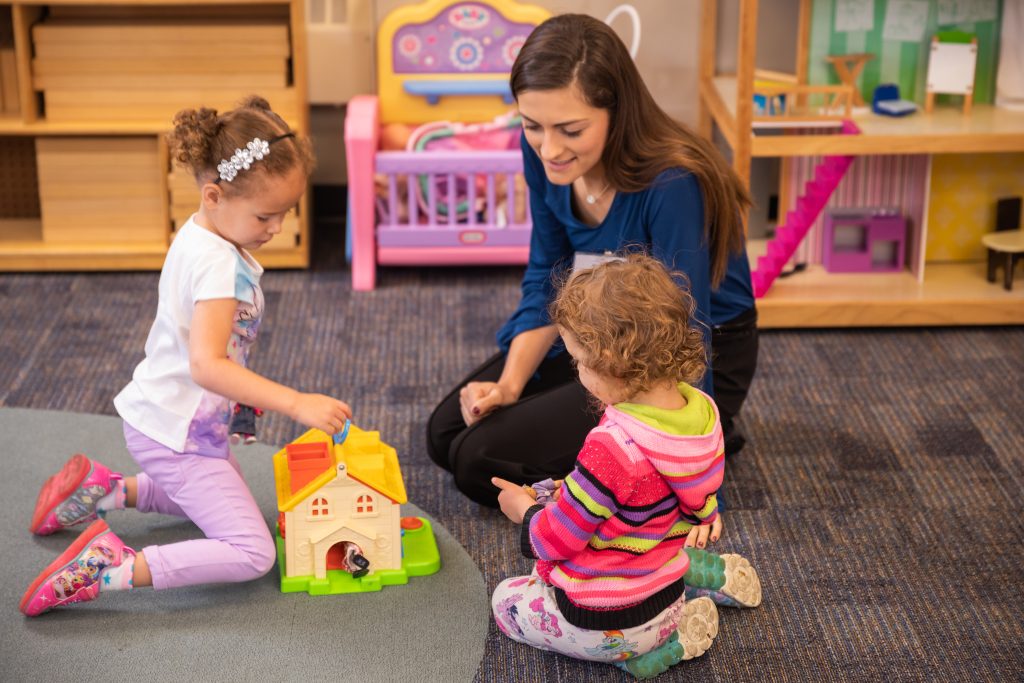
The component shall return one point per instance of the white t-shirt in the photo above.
(162, 401)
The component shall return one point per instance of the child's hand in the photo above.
(321, 412)
(513, 499)
(699, 536)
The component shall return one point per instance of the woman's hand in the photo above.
(479, 399)
(321, 412)
(700, 536)
(513, 499)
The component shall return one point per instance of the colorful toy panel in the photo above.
(450, 60)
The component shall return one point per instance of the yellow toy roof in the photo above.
(367, 460)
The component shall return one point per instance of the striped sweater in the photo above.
(612, 546)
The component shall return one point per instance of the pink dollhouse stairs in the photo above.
(789, 235)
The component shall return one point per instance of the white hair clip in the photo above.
(242, 159)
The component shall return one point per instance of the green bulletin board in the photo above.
(904, 62)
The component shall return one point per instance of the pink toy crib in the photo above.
(438, 61)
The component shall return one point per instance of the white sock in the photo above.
(113, 500)
(121, 578)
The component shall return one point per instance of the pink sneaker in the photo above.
(69, 497)
(75, 575)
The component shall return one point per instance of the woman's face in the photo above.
(567, 133)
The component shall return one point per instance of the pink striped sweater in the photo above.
(612, 546)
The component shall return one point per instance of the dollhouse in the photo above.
(943, 170)
(340, 528)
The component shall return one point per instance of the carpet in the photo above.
(880, 496)
(236, 632)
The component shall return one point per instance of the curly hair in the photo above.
(634, 321)
(201, 138)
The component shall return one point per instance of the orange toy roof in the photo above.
(315, 461)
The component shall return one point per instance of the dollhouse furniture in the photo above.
(848, 68)
(886, 101)
(1006, 245)
(337, 500)
(923, 293)
(954, 55)
(864, 240)
(440, 60)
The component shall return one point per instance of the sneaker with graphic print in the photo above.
(728, 579)
(70, 496)
(75, 576)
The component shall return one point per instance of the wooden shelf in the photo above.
(945, 131)
(127, 109)
(38, 255)
(951, 294)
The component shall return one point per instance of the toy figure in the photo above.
(355, 564)
(243, 424)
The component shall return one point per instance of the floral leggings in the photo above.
(525, 610)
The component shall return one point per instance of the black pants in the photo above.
(733, 362)
(540, 435)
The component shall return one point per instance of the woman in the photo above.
(608, 170)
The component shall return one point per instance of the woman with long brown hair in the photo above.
(608, 171)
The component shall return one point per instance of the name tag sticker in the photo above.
(583, 260)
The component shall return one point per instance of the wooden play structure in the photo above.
(88, 90)
(955, 293)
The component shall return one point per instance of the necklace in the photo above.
(591, 198)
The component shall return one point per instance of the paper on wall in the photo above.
(905, 20)
(966, 11)
(855, 15)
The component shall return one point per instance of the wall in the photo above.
(896, 61)
(962, 201)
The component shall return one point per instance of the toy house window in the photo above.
(319, 508)
(366, 505)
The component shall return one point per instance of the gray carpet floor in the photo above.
(240, 632)
(880, 496)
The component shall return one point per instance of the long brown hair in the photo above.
(642, 140)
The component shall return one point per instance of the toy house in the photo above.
(342, 501)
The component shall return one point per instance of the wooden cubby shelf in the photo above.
(94, 85)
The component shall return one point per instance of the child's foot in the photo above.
(698, 627)
(727, 579)
(70, 496)
(75, 575)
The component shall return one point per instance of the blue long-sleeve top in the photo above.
(666, 219)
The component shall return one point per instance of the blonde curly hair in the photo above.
(634, 321)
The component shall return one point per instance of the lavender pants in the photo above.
(211, 493)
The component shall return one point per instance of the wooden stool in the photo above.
(848, 68)
(1007, 246)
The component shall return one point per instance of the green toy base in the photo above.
(419, 558)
